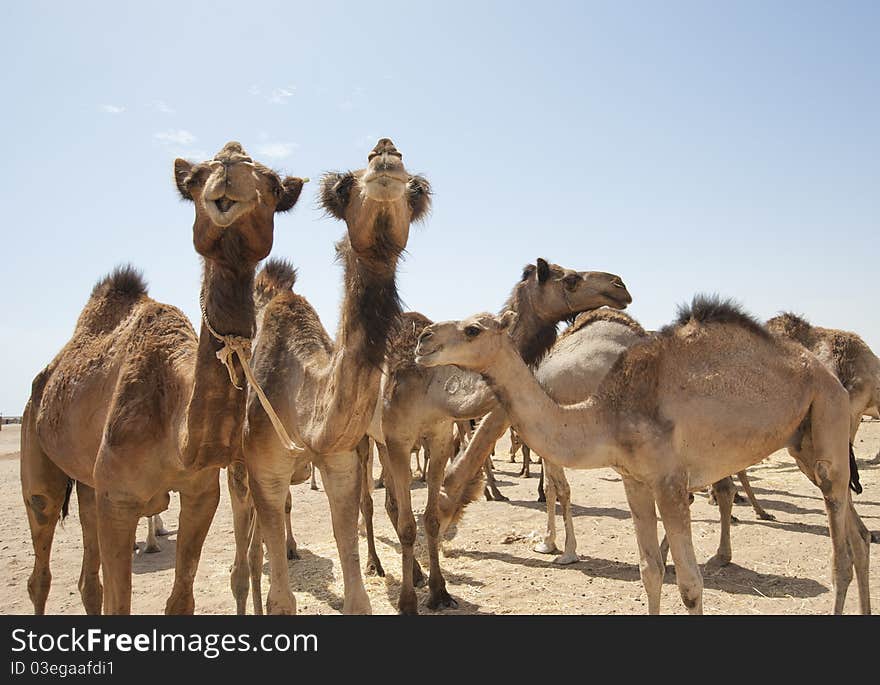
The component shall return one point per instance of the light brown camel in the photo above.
(323, 390)
(419, 402)
(848, 357)
(709, 396)
(570, 373)
(136, 405)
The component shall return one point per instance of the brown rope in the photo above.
(241, 346)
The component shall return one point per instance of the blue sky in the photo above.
(687, 146)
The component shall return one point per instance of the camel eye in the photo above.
(571, 281)
(472, 331)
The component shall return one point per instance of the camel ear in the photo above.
(543, 270)
(418, 192)
(289, 192)
(182, 171)
(335, 192)
(507, 319)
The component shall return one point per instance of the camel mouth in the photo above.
(386, 185)
(224, 204)
(225, 211)
(425, 357)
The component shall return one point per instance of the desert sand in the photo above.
(779, 567)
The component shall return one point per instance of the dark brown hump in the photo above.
(402, 341)
(706, 309)
(125, 280)
(276, 276)
(791, 326)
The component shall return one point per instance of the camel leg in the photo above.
(859, 545)
(563, 492)
(117, 526)
(161, 530)
(314, 483)
(759, 510)
(644, 515)
(365, 458)
(242, 520)
(43, 486)
(289, 540)
(255, 565)
(672, 500)
(270, 484)
(392, 510)
(90, 589)
(542, 495)
(492, 492)
(525, 471)
(398, 503)
(441, 451)
(152, 541)
(724, 492)
(341, 475)
(548, 544)
(198, 503)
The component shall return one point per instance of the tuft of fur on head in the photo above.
(791, 326)
(584, 319)
(706, 309)
(125, 280)
(472, 492)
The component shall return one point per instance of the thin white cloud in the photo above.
(176, 137)
(276, 150)
(279, 96)
(162, 106)
(112, 109)
(254, 90)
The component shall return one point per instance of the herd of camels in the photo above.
(138, 403)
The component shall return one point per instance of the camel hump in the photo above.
(124, 280)
(276, 275)
(706, 309)
(790, 325)
(400, 353)
(584, 319)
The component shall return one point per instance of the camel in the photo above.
(136, 404)
(155, 530)
(570, 373)
(712, 394)
(419, 402)
(324, 391)
(848, 357)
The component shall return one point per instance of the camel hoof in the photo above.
(764, 516)
(718, 561)
(542, 498)
(875, 537)
(566, 559)
(734, 519)
(739, 499)
(163, 532)
(544, 548)
(500, 498)
(419, 579)
(374, 568)
(292, 554)
(443, 600)
(152, 549)
(378, 484)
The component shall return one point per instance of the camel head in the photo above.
(235, 200)
(472, 343)
(377, 203)
(557, 293)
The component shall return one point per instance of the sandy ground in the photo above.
(779, 567)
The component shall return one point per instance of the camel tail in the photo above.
(472, 492)
(854, 483)
(65, 507)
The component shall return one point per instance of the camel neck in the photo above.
(533, 334)
(370, 308)
(573, 436)
(215, 414)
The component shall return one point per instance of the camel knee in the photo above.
(432, 524)
(91, 592)
(407, 533)
(38, 587)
